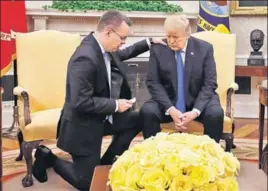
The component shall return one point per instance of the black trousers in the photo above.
(211, 118)
(79, 172)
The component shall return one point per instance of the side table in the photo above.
(100, 179)
(263, 100)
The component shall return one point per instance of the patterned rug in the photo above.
(246, 150)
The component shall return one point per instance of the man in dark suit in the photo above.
(97, 103)
(182, 81)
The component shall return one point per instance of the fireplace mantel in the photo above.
(145, 24)
(81, 14)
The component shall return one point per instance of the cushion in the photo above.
(43, 125)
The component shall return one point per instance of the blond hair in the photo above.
(177, 22)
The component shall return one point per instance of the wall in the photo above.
(151, 25)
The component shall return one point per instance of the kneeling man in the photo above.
(182, 81)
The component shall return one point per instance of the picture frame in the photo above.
(242, 7)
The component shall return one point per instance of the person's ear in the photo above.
(107, 32)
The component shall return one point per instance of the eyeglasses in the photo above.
(123, 38)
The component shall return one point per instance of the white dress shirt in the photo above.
(107, 61)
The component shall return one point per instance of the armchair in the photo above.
(42, 59)
(224, 52)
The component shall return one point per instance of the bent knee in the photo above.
(215, 112)
(148, 109)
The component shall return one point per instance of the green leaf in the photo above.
(145, 5)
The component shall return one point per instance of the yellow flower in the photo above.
(217, 165)
(181, 183)
(215, 150)
(189, 157)
(171, 164)
(149, 160)
(126, 159)
(231, 164)
(207, 187)
(175, 162)
(167, 147)
(155, 180)
(133, 176)
(227, 184)
(146, 146)
(201, 175)
(118, 176)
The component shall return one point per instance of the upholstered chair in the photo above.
(224, 52)
(42, 59)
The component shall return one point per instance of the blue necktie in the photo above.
(180, 104)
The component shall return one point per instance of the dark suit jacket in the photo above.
(200, 78)
(87, 103)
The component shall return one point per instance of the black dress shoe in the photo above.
(44, 159)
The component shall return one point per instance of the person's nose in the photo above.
(172, 41)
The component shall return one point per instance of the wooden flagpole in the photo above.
(1, 165)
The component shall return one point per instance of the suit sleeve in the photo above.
(82, 76)
(210, 81)
(133, 50)
(154, 84)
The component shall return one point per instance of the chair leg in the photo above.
(20, 140)
(229, 139)
(27, 148)
(233, 129)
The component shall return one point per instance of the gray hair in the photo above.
(178, 22)
(112, 18)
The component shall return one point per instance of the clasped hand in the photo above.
(182, 119)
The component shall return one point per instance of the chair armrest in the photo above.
(20, 91)
(230, 92)
(234, 86)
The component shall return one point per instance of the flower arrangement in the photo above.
(175, 162)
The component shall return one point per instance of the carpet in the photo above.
(246, 150)
(250, 178)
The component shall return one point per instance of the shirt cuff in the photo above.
(197, 111)
(116, 103)
(148, 42)
(167, 112)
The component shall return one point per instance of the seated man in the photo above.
(182, 81)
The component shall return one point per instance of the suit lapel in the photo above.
(103, 67)
(189, 58)
(100, 57)
(173, 67)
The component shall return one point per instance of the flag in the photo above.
(213, 16)
(13, 19)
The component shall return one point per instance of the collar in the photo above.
(185, 47)
(101, 47)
